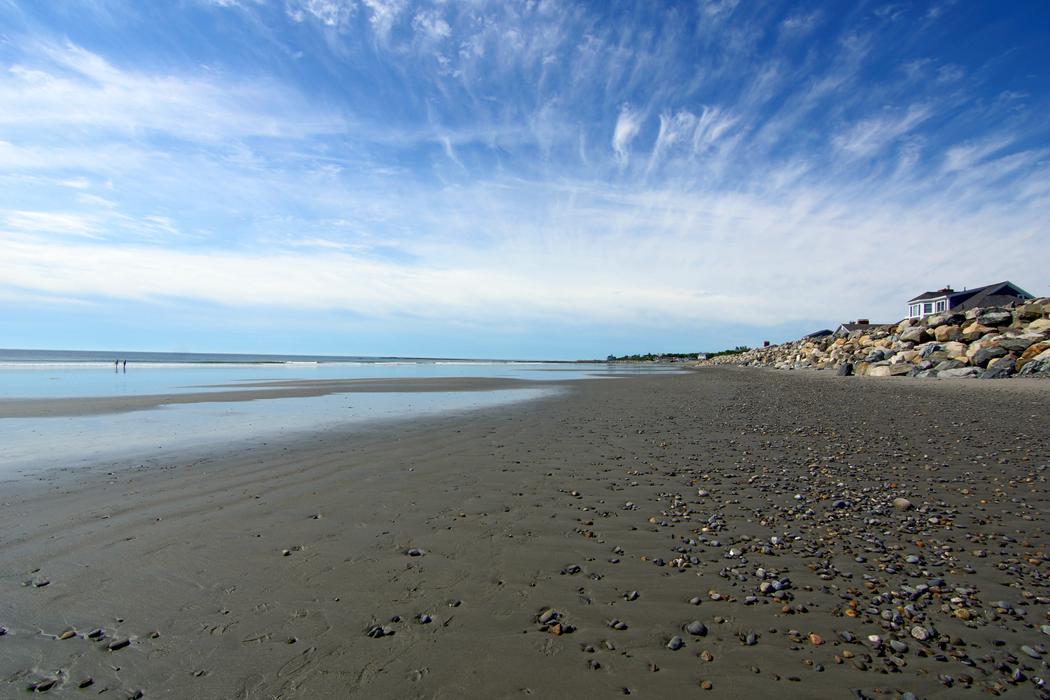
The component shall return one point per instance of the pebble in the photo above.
(696, 628)
(414, 552)
(920, 633)
(377, 631)
(424, 619)
(676, 643)
(706, 685)
(1029, 651)
(119, 644)
(902, 504)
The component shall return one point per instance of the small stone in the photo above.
(86, 683)
(424, 619)
(118, 644)
(415, 552)
(1029, 651)
(676, 643)
(705, 655)
(43, 686)
(548, 615)
(696, 628)
(920, 633)
(68, 634)
(706, 685)
(902, 504)
(633, 595)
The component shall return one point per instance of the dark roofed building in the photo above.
(947, 299)
(861, 324)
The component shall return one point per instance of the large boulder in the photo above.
(877, 355)
(1036, 366)
(982, 357)
(974, 331)
(845, 369)
(894, 370)
(954, 349)
(960, 373)
(1030, 353)
(1041, 325)
(1001, 368)
(996, 317)
(1018, 344)
(1029, 311)
(913, 335)
(946, 333)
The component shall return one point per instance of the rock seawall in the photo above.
(991, 343)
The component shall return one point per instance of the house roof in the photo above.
(818, 334)
(978, 296)
(928, 295)
(850, 327)
(999, 294)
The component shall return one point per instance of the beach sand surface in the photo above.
(259, 570)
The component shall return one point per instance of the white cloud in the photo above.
(330, 13)
(383, 14)
(431, 25)
(799, 25)
(870, 136)
(73, 87)
(49, 222)
(628, 123)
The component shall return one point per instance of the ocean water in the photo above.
(54, 373)
(31, 445)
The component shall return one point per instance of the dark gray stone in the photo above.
(696, 628)
(983, 356)
(1000, 370)
(845, 369)
(996, 317)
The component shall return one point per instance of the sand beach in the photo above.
(724, 532)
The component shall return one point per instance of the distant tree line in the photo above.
(657, 356)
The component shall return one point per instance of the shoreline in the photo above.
(258, 570)
(253, 391)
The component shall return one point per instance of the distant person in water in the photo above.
(125, 365)
(116, 365)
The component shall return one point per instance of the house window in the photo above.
(927, 307)
(940, 306)
(914, 310)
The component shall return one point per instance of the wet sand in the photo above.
(417, 560)
(250, 391)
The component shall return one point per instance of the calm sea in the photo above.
(30, 445)
(72, 373)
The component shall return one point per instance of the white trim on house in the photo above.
(927, 307)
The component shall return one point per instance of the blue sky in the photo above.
(509, 179)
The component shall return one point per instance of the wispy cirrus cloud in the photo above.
(525, 164)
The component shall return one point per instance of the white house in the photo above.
(947, 299)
